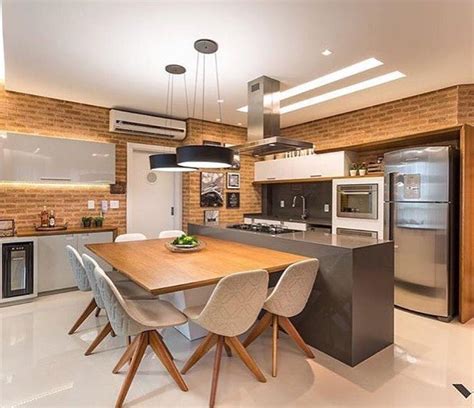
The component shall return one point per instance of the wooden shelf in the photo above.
(312, 180)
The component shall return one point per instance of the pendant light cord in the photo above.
(203, 92)
(186, 95)
(195, 85)
(219, 100)
(168, 98)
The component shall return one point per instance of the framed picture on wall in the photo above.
(232, 200)
(212, 189)
(233, 180)
(211, 217)
(236, 161)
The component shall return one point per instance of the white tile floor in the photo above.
(41, 366)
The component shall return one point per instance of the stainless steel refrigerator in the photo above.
(421, 218)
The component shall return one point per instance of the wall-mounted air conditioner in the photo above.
(153, 126)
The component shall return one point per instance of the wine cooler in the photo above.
(17, 269)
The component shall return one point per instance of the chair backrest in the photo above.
(293, 289)
(130, 237)
(235, 303)
(171, 234)
(77, 267)
(120, 316)
(89, 265)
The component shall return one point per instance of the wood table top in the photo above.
(158, 270)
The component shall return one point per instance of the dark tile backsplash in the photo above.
(317, 194)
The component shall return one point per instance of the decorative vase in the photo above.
(353, 173)
(362, 172)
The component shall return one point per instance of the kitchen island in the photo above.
(349, 315)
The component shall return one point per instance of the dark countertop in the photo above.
(309, 220)
(319, 236)
(70, 230)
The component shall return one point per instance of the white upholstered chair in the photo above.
(171, 234)
(127, 288)
(140, 318)
(230, 311)
(288, 298)
(82, 283)
(130, 237)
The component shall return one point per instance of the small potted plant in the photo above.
(99, 221)
(353, 170)
(86, 222)
(363, 169)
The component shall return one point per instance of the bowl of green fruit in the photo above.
(185, 243)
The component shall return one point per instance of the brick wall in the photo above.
(430, 111)
(50, 117)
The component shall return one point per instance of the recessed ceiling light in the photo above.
(218, 120)
(220, 101)
(239, 124)
(327, 79)
(326, 52)
(382, 79)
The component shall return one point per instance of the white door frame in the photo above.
(178, 197)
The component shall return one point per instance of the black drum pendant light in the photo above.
(167, 161)
(205, 156)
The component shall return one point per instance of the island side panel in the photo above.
(372, 300)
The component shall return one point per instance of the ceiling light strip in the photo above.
(370, 83)
(327, 79)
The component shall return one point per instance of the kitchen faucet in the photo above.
(304, 214)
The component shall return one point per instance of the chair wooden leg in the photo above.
(101, 336)
(293, 333)
(164, 344)
(84, 315)
(215, 373)
(201, 350)
(258, 329)
(137, 358)
(228, 350)
(274, 345)
(97, 311)
(127, 355)
(245, 357)
(163, 354)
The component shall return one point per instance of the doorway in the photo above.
(154, 201)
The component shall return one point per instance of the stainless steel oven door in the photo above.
(357, 201)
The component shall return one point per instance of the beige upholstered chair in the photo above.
(288, 298)
(140, 318)
(127, 288)
(230, 311)
(170, 234)
(130, 237)
(82, 282)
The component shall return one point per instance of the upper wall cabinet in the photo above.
(335, 164)
(40, 159)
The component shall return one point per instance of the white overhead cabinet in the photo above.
(335, 164)
(40, 159)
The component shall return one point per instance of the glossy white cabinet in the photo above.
(54, 271)
(41, 159)
(335, 164)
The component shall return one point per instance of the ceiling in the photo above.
(113, 53)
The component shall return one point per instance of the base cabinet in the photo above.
(54, 270)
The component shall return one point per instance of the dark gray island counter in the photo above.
(349, 314)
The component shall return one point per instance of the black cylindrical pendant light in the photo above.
(167, 162)
(205, 156)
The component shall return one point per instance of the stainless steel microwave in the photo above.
(357, 201)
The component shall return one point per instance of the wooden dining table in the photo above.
(155, 268)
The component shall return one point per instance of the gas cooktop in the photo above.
(264, 228)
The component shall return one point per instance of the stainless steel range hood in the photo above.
(263, 121)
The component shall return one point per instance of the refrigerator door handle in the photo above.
(389, 216)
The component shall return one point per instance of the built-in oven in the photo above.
(17, 269)
(357, 201)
